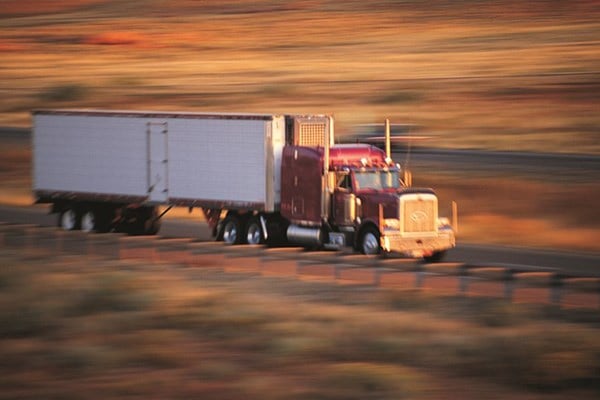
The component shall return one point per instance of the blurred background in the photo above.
(486, 75)
(505, 74)
(477, 78)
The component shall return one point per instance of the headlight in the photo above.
(444, 223)
(391, 223)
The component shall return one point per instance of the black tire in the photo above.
(90, 220)
(69, 219)
(254, 232)
(232, 230)
(97, 218)
(369, 243)
(435, 257)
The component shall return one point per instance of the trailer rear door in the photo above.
(158, 162)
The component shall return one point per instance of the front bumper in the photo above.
(417, 245)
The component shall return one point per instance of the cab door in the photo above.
(344, 201)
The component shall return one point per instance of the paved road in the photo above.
(482, 255)
(544, 166)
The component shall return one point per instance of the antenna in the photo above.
(407, 173)
(408, 150)
(388, 145)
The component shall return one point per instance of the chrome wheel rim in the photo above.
(230, 233)
(88, 222)
(68, 220)
(254, 235)
(370, 244)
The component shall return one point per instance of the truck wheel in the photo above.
(68, 219)
(232, 230)
(88, 221)
(254, 233)
(369, 241)
(96, 219)
(435, 257)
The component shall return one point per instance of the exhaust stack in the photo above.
(388, 146)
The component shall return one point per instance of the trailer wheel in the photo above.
(88, 221)
(96, 219)
(254, 232)
(369, 241)
(232, 230)
(68, 219)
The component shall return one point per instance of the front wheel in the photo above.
(369, 241)
(435, 257)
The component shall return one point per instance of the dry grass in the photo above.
(80, 325)
(505, 75)
(509, 210)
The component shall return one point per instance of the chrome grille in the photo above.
(418, 213)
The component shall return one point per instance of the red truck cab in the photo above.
(352, 194)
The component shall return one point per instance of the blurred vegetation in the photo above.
(68, 92)
(507, 74)
(120, 329)
(396, 97)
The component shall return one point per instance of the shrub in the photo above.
(396, 97)
(109, 293)
(66, 92)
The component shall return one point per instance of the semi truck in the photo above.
(258, 178)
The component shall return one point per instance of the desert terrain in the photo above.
(505, 75)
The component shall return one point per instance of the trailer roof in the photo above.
(154, 114)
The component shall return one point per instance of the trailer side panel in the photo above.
(89, 154)
(205, 160)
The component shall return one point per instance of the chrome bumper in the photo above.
(417, 246)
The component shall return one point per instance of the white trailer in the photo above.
(102, 169)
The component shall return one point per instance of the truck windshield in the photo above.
(376, 179)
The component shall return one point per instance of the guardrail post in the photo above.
(336, 272)
(463, 280)
(556, 289)
(509, 285)
(420, 276)
(376, 277)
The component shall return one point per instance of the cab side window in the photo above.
(344, 182)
